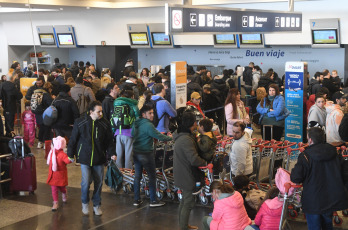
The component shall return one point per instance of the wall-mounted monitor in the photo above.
(47, 39)
(225, 41)
(327, 36)
(65, 39)
(251, 40)
(161, 39)
(139, 38)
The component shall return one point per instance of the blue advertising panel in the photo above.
(294, 85)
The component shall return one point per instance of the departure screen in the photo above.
(65, 39)
(161, 39)
(47, 39)
(251, 39)
(324, 36)
(224, 39)
(139, 38)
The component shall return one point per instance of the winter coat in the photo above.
(280, 112)
(309, 103)
(74, 70)
(191, 107)
(220, 85)
(163, 107)
(96, 85)
(318, 168)
(60, 80)
(256, 79)
(56, 66)
(207, 146)
(229, 213)
(343, 129)
(134, 112)
(59, 177)
(314, 86)
(265, 81)
(248, 75)
(67, 111)
(31, 91)
(241, 159)
(185, 156)
(241, 114)
(10, 96)
(330, 85)
(108, 107)
(80, 89)
(143, 133)
(317, 114)
(91, 141)
(129, 85)
(268, 216)
(333, 121)
(193, 87)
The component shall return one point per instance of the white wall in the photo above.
(3, 51)
(83, 54)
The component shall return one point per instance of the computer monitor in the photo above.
(47, 39)
(139, 38)
(65, 39)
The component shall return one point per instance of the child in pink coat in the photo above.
(58, 173)
(29, 123)
(229, 212)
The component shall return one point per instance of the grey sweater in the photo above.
(317, 114)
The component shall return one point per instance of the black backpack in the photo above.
(121, 118)
(248, 75)
(36, 101)
(153, 104)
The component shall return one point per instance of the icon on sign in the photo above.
(177, 19)
(297, 22)
(210, 20)
(277, 22)
(292, 22)
(201, 20)
(287, 24)
(245, 21)
(282, 22)
(193, 20)
(251, 21)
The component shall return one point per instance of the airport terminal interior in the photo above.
(256, 69)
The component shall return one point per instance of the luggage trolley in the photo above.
(292, 155)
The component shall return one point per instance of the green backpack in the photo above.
(121, 118)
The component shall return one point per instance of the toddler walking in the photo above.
(29, 123)
(58, 174)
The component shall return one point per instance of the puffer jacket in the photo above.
(91, 141)
(280, 112)
(191, 107)
(220, 85)
(241, 156)
(193, 87)
(229, 213)
(268, 216)
(67, 111)
(333, 121)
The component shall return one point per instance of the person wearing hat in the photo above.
(68, 112)
(334, 116)
(194, 106)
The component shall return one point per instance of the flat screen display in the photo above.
(47, 39)
(139, 38)
(65, 39)
(161, 39)
(250, 39)
(324, 36)
(224, 39)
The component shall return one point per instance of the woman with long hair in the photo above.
(272, 111)
(235, 110)
(145, 76)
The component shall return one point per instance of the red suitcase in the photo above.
(47, 148)
(23, 172)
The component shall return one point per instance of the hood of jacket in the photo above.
(332, 107)
(274, 207)
(235, 200)
(321, 152)
(125, 100)
(245, 139)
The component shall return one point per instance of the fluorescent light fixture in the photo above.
(19, 10)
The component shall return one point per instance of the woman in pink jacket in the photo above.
(235, 110)
(229, 212)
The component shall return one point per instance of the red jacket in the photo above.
(268, 217)
(309, 103)
(59, 177)
(230, 214)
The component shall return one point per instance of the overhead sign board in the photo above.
(220, 20)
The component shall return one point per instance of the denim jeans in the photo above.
(92, 173)
(147, 161)
(319, 221)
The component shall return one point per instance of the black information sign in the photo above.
(192, 20)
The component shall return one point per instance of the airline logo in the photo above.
(294, 67)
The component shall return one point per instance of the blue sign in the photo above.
(294, 85)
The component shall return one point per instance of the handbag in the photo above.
(113, 177)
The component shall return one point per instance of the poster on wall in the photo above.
(179, 81)
(294, 85)
(25, 84)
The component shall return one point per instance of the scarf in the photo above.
(57, 144)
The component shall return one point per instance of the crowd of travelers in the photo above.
(101, 117)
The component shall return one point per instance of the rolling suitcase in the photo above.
(23, 171)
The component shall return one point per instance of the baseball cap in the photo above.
(195, 95)
(338, 95)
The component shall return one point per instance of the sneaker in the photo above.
(137, 202)
(40, 145)
(85, 210)
(156, 203)
(65, 197)
(97, 211)
(55, 206)
(192, 227)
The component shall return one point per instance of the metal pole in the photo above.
(291, 5)
(32, 32)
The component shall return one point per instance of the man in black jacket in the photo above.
(192, 87)
(319, 169)
(74, 69)
(108, 102)
(91, 141)
(329, 83)
(68, 112)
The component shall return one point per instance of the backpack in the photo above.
(18, 147)
(113, 177)
(248, 75)
(50, 115)
(82, 102)
(254, 198)
(36, 101)
(260, 93)
(153, 104)
(121, 118)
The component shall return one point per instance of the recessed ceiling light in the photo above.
(61, 9)
(87, 8)
(26, 4)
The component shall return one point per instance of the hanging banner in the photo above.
(294, 92)
(178, 84)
